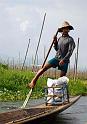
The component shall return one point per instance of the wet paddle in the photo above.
(29, 94)
(26, 100)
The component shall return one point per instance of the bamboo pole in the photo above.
(77, 57)
(19, 61)
(76, 62)
(26, 54)
(39, 38)
(74, 76)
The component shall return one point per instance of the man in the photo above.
(64, 47)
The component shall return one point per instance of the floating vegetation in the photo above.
(13, 85)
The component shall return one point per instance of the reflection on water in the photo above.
(76, 114)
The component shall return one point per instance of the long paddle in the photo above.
(29, 94)
(26, 100)
(49, 51)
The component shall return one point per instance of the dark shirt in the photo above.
(64, 48)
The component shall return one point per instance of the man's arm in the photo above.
(55, 43)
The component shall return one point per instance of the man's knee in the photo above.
(47, 66)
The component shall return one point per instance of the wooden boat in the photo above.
(20, 116)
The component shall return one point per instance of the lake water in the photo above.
(76, 114)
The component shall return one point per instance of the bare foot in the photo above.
(31, 85)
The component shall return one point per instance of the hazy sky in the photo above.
(22, 19)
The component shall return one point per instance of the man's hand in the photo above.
(61, 62)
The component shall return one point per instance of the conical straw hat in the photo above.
(64, 25)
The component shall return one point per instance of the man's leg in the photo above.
(63, 70)
(39, 73)
(62, 73)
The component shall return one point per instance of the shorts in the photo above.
(55, 63)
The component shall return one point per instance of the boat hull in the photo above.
(31, 115)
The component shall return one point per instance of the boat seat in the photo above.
(59, 94)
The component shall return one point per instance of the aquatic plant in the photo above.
(13, 85)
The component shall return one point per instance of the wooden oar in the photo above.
(29, 94)
(26, 100)
(49, 50)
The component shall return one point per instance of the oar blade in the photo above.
(27, 98)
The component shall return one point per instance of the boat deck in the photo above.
(25, 115)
